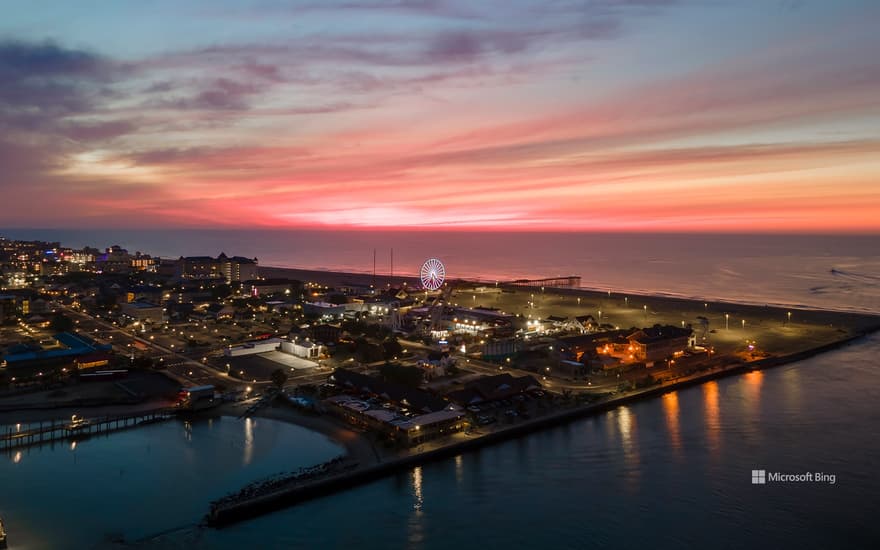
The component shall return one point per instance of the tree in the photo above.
(220, 291)
(408, 376)
(366, 351)
(392, 348)
(279, 378)
(61, 323)
(354, 328)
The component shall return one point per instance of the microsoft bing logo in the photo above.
(759, 477)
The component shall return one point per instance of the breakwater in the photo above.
(244, 509)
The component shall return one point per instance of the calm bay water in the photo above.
(670, 472)
(139, 482)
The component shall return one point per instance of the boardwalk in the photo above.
(22, 435)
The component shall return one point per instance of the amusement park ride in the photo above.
(433, 275)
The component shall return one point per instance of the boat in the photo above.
(2, 534)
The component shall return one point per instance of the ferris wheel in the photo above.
(432, 273)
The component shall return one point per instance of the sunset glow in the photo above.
(603, 115)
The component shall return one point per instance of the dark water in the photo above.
(777, 269)
(672, 472)
(139, 482)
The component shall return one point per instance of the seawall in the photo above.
(263, 504)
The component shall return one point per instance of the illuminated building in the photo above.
(143, 311)
(658, 342)
(236, 268)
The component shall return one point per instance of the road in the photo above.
(185, 369)
(190, 371)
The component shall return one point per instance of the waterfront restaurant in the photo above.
(402, 413)
(410, 430)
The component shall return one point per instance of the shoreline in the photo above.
(357, 446)
(339, 278)
(263, 504)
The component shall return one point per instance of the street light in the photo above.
(789, 317)
(726, 321)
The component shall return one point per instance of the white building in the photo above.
(303, 348)
(144, 311)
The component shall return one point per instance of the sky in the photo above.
(591, 115)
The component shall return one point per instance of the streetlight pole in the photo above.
(726, 321)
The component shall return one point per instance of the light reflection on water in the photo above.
(416, 520)
(670, 408)
(626, 426)
(752, 393)
(418, 500)
(712, 410)
(792, 388)
(249, 425)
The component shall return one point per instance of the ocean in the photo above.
(827, 271)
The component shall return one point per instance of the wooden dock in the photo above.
(36, 433)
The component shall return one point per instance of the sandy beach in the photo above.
(775, 329)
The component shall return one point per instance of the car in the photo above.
(511, 413)
(474, 409)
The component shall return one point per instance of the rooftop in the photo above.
(413, 398)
